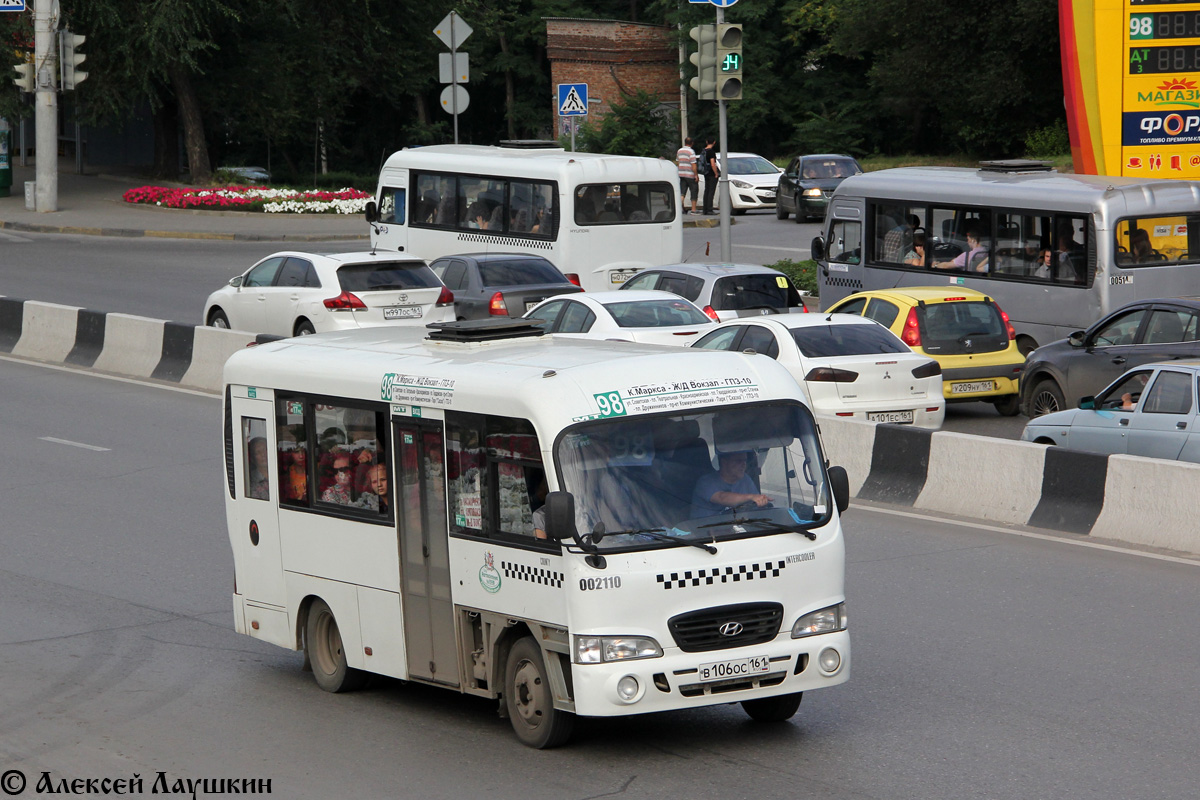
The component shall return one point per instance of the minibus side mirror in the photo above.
(1088, 402)
(817, 249)
(236, 281)
(372, 212)
(560, 516)
(839, 482)
(1075, 339)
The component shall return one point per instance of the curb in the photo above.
(28, 227)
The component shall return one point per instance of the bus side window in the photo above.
(845, 242)
(391, 205)
(255, 464)
(292, 445)
(494, 475)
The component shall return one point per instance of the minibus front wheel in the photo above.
(773, 709)
(323, 646)
(529, 700)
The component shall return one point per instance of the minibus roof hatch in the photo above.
(482, 330)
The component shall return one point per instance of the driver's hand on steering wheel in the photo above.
(760, 500)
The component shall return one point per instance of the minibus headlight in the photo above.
(827, 620)
(598, 649)
(812, 192)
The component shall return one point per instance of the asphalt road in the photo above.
(986, 663)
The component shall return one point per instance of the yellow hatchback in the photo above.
(962, 329)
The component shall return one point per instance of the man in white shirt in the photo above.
(689, 180)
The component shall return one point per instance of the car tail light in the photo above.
(912, 333)
(573, 278)
(708, 311)
(496, 305)
(1012, 332)
(446, 298)
(345, 301)
(927, 370)
(831, 375)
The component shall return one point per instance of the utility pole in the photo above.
(45, 65)
(723, 183)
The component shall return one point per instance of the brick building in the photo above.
(612, 58)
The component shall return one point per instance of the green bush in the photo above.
(1049, 141)
(802, 273)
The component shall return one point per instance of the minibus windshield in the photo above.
(701, 477)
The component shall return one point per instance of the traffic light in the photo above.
(25, 77)
(705, 59)
(729, 61)
(69, 60)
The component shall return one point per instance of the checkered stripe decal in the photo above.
(848, 283)
(707, 577)
(538, 575)
(483, 238)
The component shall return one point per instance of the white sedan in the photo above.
(628, 316)
(849, 366)
(753, 181)
(295, 294)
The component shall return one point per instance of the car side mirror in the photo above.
(372, 212)
(1088, 402)
(817, 249)
(1075, 339)
(839, 482)
(236, 281)
(560, 516)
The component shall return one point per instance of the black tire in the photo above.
(773, 709)
(1046, 398)
(737, 212)
(323, 647)
(304, 328)
(217, 319)
(780, 211)
(1009, 405)
(1025, 345)
(800, 216)
(529, 701)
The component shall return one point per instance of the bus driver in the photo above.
(727, 488)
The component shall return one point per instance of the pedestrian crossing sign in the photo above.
(572, 99)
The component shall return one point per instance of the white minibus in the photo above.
(597, 217)
(574, 528)
(1056, 251)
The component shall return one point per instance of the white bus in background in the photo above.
(386, 495)
(598, 217)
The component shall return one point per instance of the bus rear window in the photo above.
(624, 203)
(386, 275)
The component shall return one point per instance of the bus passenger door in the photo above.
(254, 515)
(429, 634)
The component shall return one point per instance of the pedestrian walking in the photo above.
(689, 177)
(711, 172)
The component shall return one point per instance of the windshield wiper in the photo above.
(655, 533)
(766, 521)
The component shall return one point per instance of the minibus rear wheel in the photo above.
(773, 709)
(326, 655)
(529, 700)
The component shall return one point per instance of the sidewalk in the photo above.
(91, 205)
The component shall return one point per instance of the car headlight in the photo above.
(741, 184)
(598, 649)
(827, 620)
(812, 192)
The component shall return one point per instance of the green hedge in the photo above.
(802, 273)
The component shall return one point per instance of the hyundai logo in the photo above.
(731, 629)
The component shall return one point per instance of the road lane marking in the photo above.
(75, 444)
(1193, 562)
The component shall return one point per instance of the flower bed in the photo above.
(253, 198)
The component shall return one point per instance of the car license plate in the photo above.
(529, 304)
(402, 312)
(620, 277)
(737, 668)
(768, 195)
(890, 416)
(973, 386)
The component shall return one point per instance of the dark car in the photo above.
(808, 182)
(1058, 374)
(500, 284)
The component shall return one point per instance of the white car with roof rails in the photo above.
(849, 366)
(294, 294)
(436, 571)
(724, 291)
(648, 317)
